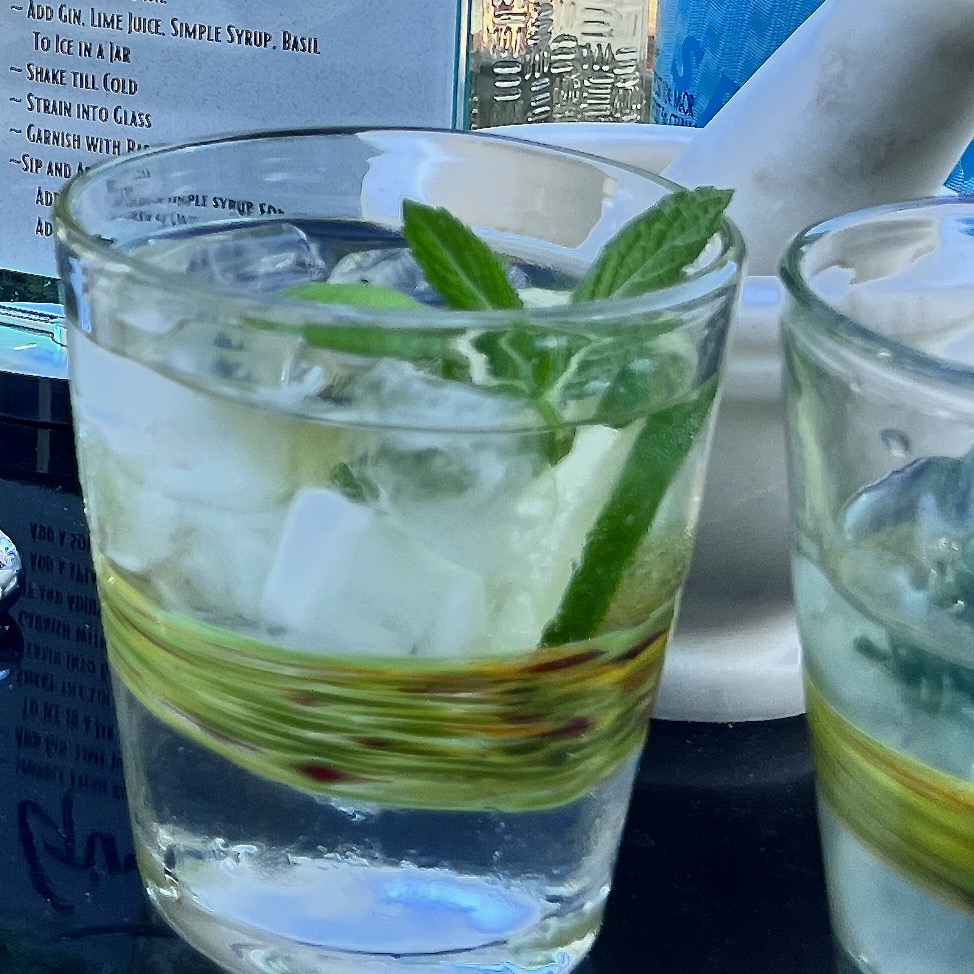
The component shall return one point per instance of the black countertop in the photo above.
(719, 870)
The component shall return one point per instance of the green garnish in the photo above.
(653, 462)
(360, 295)
(468, 275)
(410, 345)
(655, 249)
(652, 251)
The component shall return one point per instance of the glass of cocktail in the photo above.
(386, 584)
(879, 342)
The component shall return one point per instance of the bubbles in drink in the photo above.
(898, 443)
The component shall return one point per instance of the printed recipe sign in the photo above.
(83, 82)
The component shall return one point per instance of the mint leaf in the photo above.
(654, 249)
(355, 487)
(654, 460)
(467, 273)
(359, 295)
(650, 252)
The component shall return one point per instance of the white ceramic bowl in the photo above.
(735, 655)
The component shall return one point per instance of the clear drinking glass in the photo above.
(879, 343)
(386, 592)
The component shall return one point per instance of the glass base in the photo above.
(883, 922)
(266, 879)
(381, 921)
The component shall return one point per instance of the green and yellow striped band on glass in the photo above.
(916, 818)
(519, 733)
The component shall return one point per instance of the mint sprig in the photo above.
(652, 251)
(469, 276)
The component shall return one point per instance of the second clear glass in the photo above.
(879, 381)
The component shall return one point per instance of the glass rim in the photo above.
(884, 352)
(696, 289)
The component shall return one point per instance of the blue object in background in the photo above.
(707, 49)
(962, 178)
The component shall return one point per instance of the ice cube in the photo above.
(191, 447)
(217, 563)
(193, 558)
(459, 619)
(261, 257)
(131, 522)
(547, 531)
(584, 480)
(422, 401)
(907, 553)
(392, 267)
(345, 580)
(517, 524)
(459, 494)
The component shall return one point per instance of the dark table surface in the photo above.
(719, 870)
